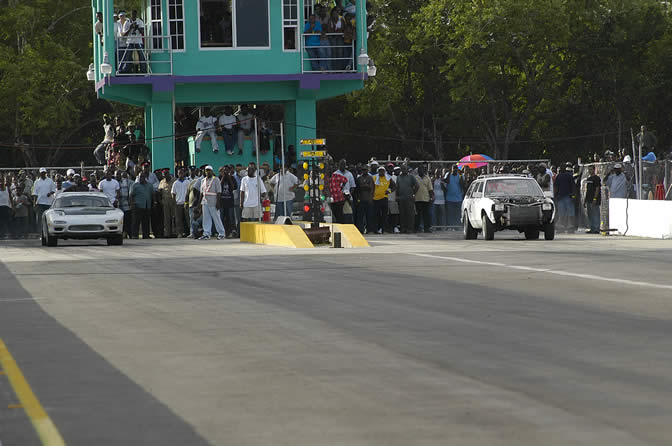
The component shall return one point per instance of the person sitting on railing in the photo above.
(228, 123)
(123, 29)
(98, 27)
(206, 126)
(136, 46)
(101, 149)
(313, 48)
(246, 122)
(335, 29)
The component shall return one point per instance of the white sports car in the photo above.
(82, 215)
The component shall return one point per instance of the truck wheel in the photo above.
(549, 231)
(532, 234)
(488, 228)
(470, 233)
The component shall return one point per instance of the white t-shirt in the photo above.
(135, 37)
(123, 28)
(4, 198)
(42, 188)
(210, 187)
(180, 190)
(246, 121)
(227, 121)
(250, 185)
(109, 188)
(283, 183)
(206, 123)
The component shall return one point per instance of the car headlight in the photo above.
(60, 222)
(111, 221)
(547, 206)
(499, 207)
(58, 213)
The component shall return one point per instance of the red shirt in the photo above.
(336, 184)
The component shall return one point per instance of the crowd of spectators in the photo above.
(331, 34)
(123, 145)
(390, 197)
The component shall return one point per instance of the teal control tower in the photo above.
(213, 53)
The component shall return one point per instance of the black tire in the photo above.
(488, 228)
(116, 240)
(470, 233)
(549, 231)
(532, 234)
(43, 238)
(46, 238)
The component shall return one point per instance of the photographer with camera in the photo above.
(136, 47)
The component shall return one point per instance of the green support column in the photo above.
(148, 125)
(306, 120)
(162, 132)
(290, 127)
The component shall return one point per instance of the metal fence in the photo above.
(335, 56)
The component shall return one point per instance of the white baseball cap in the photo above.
(70, 172)
(43, 169)
(209, 168)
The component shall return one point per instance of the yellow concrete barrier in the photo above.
(350, 235)
(276, 235)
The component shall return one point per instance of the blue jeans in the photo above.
(315, 54)
(326, 51)
(337, 62)
(280, 208)
(192, 222)
(229, 140)
(365, 214)
(40, 210)
(593, 210)
(439, 214)
(565, 209)
(228, 219)
(453, 213)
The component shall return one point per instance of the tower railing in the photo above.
(155, 59)
(336, 57)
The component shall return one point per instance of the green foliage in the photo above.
(44, 95)
(513, 78)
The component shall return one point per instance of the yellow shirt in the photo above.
(382, 185)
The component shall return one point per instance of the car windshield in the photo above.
(82, 201)
(518, 186)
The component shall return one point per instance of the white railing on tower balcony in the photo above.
(153, 57)
(333, 55)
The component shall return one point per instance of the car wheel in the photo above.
(549, 231)
(488, 228)
(48, 240)
(116, 240)
(470, 233)
(43, 237)
(532, 234)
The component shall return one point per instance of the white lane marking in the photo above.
(551, 271)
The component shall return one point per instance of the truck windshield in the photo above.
(518, 186)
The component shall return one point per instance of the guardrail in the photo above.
(335, 56)
(135, 59)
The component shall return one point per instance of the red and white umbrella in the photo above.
(474, 161)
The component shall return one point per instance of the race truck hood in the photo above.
(522, 200)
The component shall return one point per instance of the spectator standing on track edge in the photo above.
(564, 188)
